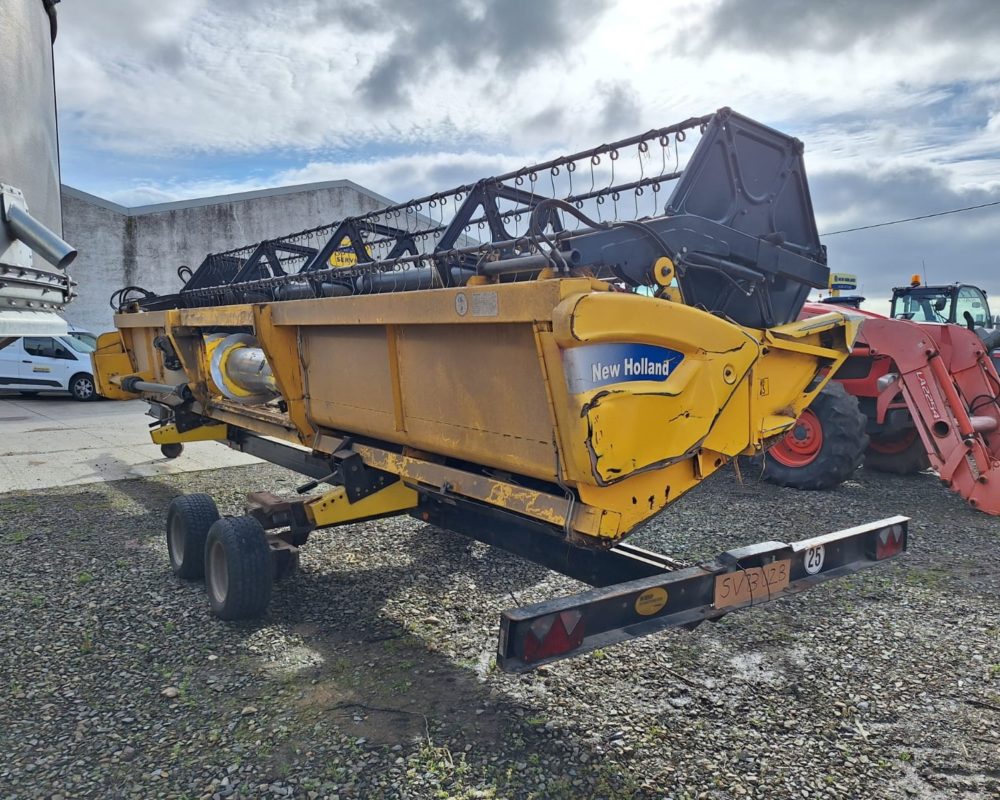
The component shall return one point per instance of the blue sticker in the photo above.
(594, 365)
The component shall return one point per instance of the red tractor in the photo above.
(920, 390)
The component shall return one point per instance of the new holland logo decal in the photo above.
(592, 366)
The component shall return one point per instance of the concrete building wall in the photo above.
(144, 246)
(98, 233)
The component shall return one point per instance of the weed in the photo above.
(656, 732)
(84, 578)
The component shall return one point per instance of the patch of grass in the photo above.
(19, 505)
(905, 755)
(17, 537)
(83, 578)
(37, 601)
(925, 578)
(169, 626)
(654, 732)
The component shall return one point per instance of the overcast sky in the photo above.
(897, 101)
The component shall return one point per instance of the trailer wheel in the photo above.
(239, 568)
(824, 448)
(188, 521)
(904, 455)
(172, 450)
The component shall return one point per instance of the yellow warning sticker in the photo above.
(651, 601)
(345, 255)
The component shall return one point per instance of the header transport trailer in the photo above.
(498, 362)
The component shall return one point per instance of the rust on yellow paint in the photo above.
(334, 507)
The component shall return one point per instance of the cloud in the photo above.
(239, 77)
(620, 112)
(961, 247)
(509, 35)
(831, 27)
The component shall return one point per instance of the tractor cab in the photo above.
(955, 304)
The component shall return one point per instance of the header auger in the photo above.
(526, 367)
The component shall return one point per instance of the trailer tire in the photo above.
(904, 456)
(239, 568)
(826, 446)
(189, 519)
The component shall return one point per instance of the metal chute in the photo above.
(34, 285)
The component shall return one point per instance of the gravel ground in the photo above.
(372, 675)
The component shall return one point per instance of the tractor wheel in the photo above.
(188, 521)
(905, 455)
(239, 568)
(824, 448)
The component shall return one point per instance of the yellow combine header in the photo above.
(546, 391)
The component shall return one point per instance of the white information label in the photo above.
(485, 304)
(814, 559)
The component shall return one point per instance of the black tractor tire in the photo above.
(172, 450)
(899, 457)
(836, 455)
(83, 388)
(189, 519)
(239, 568)
(286, 564)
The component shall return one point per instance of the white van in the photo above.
(33, 364)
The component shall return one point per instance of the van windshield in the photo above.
(82, 342)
